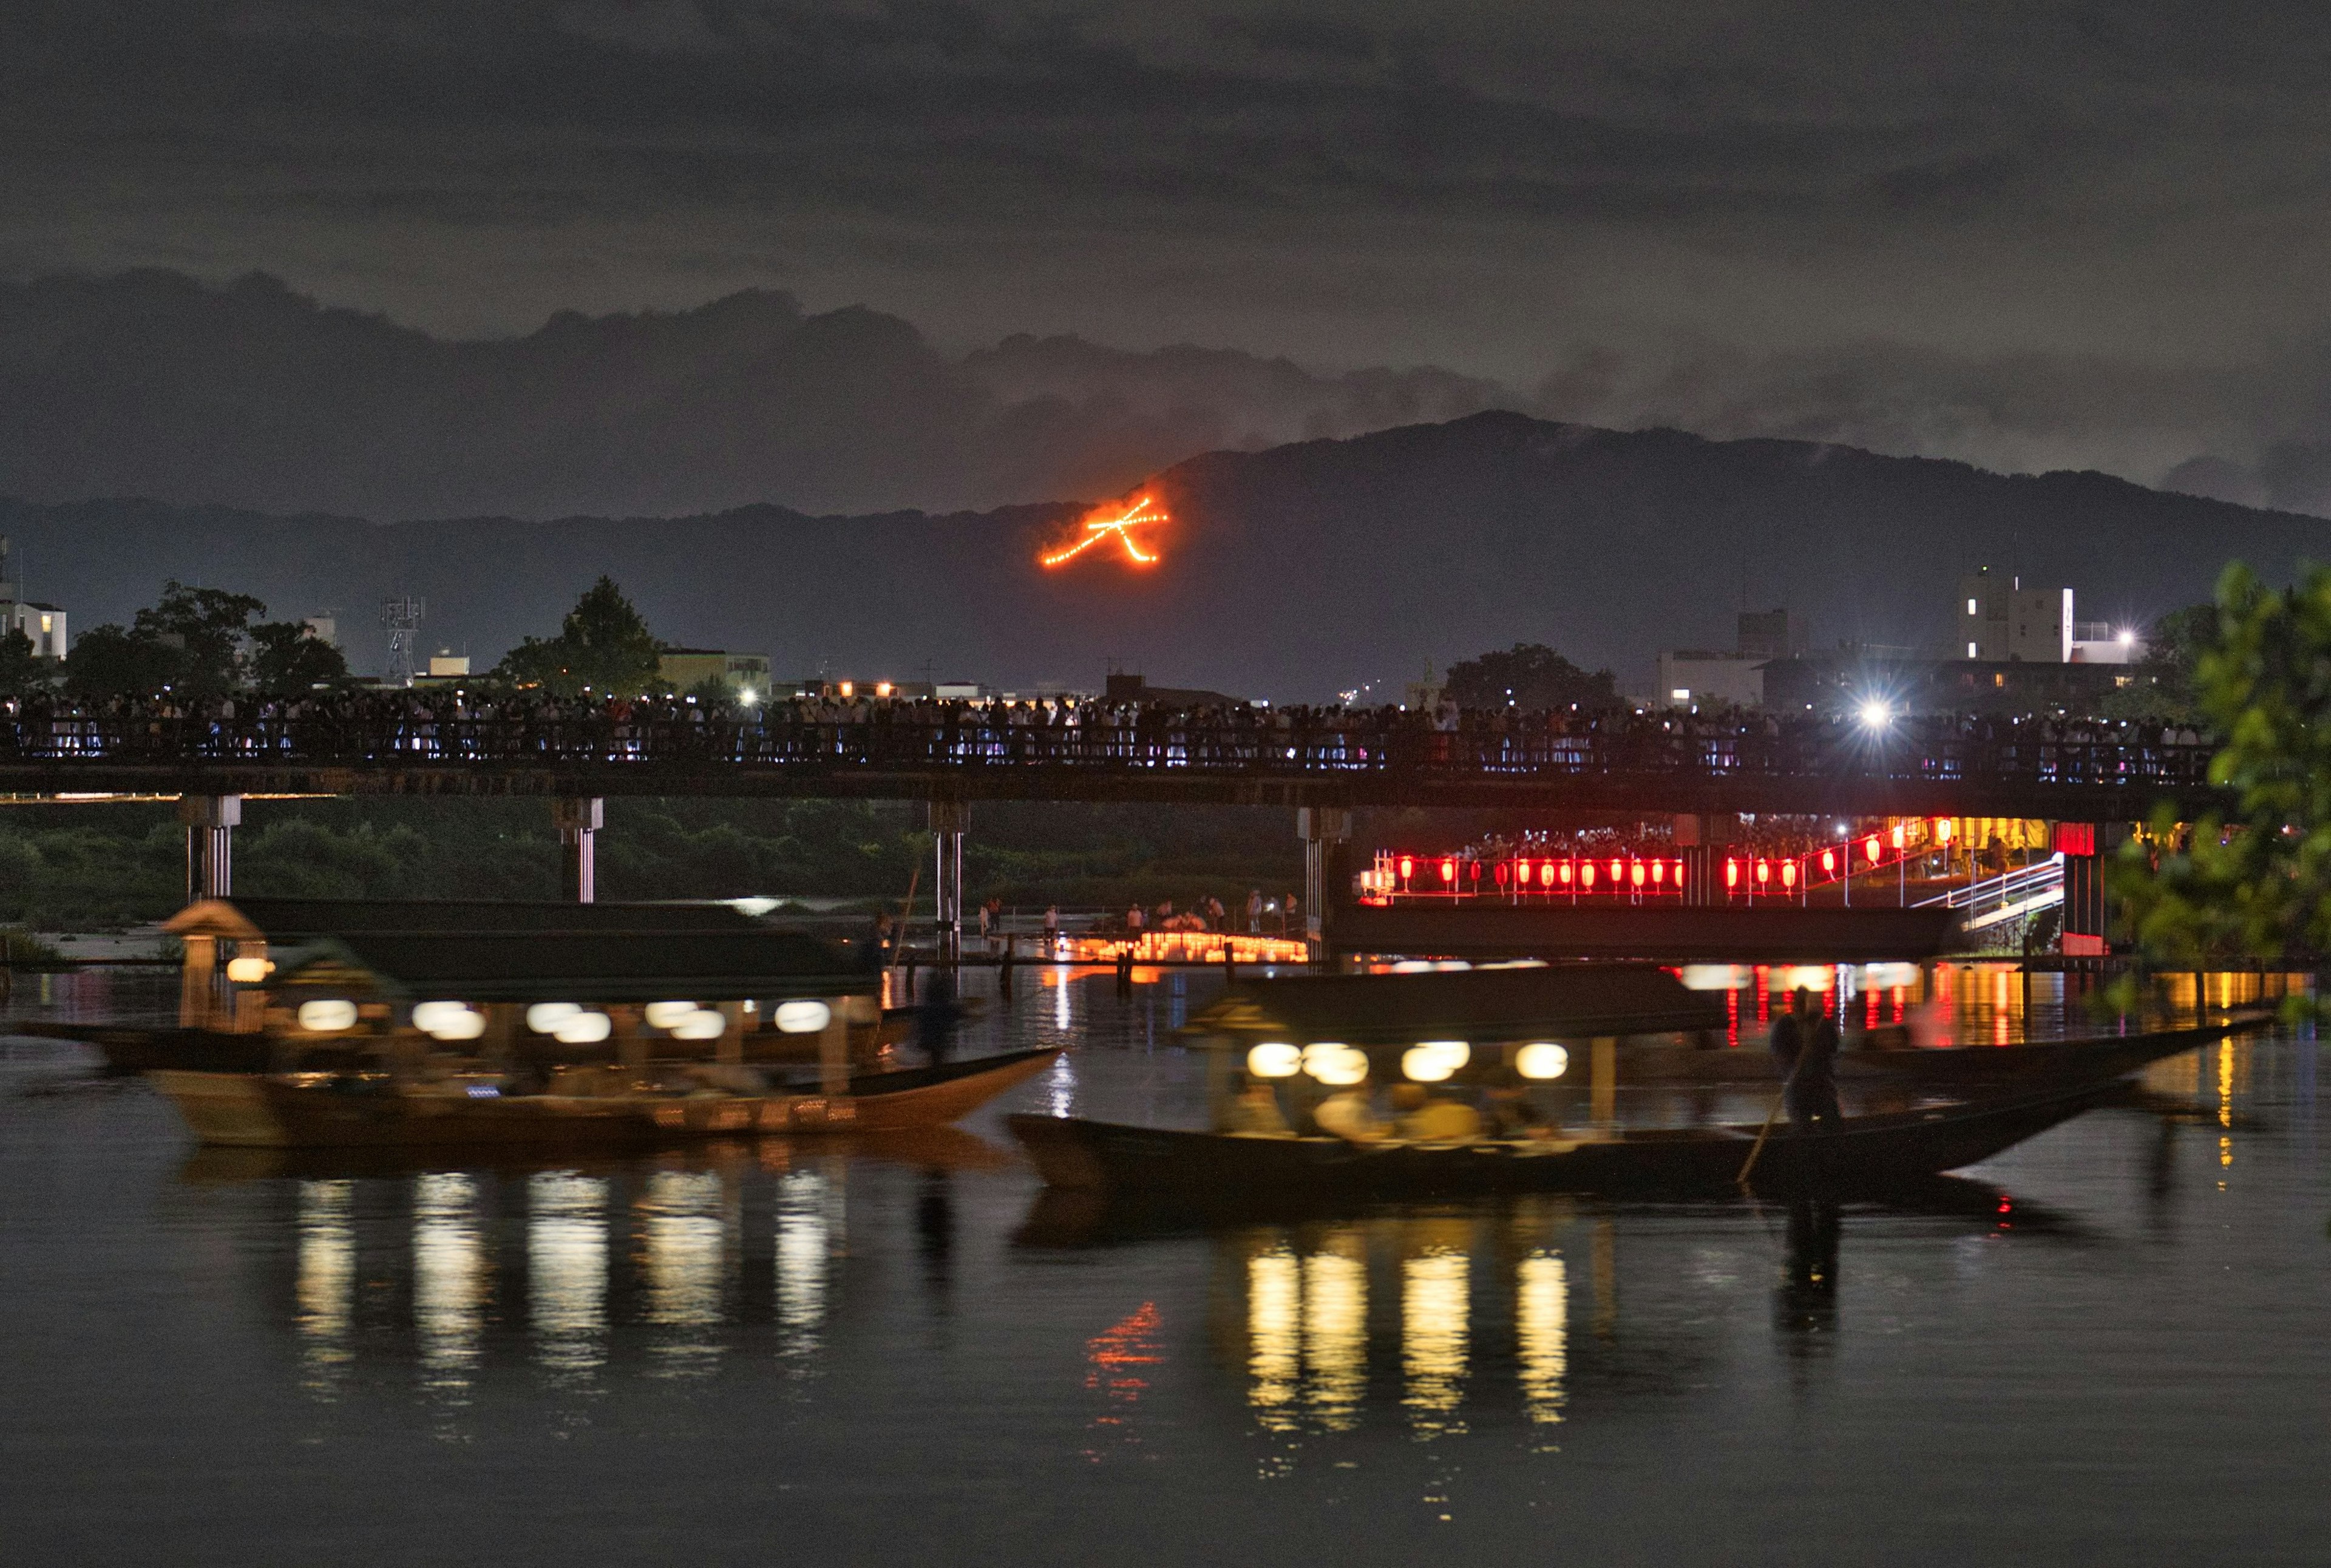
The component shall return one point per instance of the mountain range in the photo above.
(1291, 572)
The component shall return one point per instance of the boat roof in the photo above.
(757, 964)
(1482, 1006)
(290, 920)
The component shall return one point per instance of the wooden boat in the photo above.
(1207, 1170)
(371, 1109)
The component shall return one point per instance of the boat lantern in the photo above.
(328, 1017)
(1585, 875)
(1334, 1064)
(1423, 1064)
(1453, 1053)
(1788, 873)
(802, 1017)
(1274, 1059)
(1566, 873)
(1407, 868)
(249, 970)
(545, 1017)
(1634, 872)
(1659, 872)
(448, 1020)
(666, 1014)
(1731, 874)
(702, 1023)
(1829, 863)
(1448, 873)
(1870, 849)
(1543, 1060)
(584, 1028)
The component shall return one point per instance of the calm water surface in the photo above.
(2112, 1344)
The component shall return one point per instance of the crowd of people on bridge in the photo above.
(499, 724)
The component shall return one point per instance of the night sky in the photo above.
(2030, 235)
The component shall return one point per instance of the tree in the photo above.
(288, 660)
(191, 641)
(2163, 684)
(2255, 883)
(110, 662)
(1530, 676)
(602, 646)
(206, 627)
(22, 671)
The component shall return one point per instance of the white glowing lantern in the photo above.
(1543, 1060)
(700, 1024)
(803, 1017)
(1425, 1064)
(666, 1014)
(448, 1020)
(249, 971)
(328, 1017)
(1455, 1053)
(1337, 1066)
(584, 1028)
(1274, 1059)
(545, 1017)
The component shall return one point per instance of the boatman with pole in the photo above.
(1805, 1042)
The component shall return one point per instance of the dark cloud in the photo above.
(2051, 233)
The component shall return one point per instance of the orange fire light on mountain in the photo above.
(1117, 522)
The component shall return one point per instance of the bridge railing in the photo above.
(1255, 750)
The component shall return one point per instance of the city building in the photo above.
(686, 669)
(44, 626)
(2000, 620)
(1693, 677)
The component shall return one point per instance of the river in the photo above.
(2106, 1346)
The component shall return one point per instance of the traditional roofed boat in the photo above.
(1203, 1172)
(529, 1024)
(1479, 1063)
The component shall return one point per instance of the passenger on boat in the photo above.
(1805, 1042)
(1424, 1119)
(1512, 1112)
(1254, 1112)
(1348, 1114)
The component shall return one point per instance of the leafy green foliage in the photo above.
(2255, 884)
(602, 646)
(1530, 677)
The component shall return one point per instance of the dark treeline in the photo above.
(100, 865)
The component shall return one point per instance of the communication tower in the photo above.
(401, 618)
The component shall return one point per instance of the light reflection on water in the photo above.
(635, 1324)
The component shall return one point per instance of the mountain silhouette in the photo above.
(1289, 573)
(151, 383)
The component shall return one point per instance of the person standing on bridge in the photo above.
(1804, 1043)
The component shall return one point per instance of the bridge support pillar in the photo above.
(2087, 914)
(1323, 829)
(949, 821)
(579, 822)
(1691, 838)
(210, 822)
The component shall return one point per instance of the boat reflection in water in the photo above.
(1441, 1324)
(668, 1266)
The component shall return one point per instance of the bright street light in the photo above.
(1876, 715)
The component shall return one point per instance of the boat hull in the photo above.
(251, 1110)
(1212, 1171)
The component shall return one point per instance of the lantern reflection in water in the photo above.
(681, 1254)
(326, 1285)
(1542, 1334)
(567, 1268)
(807, 1224)
(1435, 1302)
(1274, 1319)
(449, 1286)
(1336, 1332)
